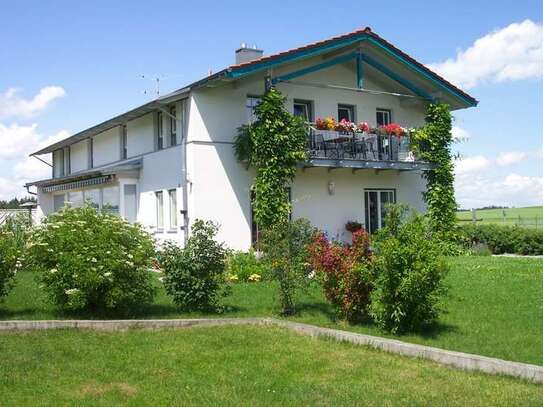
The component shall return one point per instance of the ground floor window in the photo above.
(106, 199)
(375, 201)
(130, 202)
(159, 210)
(172, 194)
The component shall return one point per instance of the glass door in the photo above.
(375, 201)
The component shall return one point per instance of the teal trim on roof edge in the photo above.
(235, 73)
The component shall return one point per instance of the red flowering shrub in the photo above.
(345, 273)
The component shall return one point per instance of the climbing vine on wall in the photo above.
(273, 145)
(433, 143)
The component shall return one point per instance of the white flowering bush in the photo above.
(90, 260)
(13, 234)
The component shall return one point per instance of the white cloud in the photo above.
(510, 157)
(460, 134)
(11, 104)
(471, 164)
(16, 143)
(511, 53)
(477, 190)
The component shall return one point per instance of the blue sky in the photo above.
(87, 58)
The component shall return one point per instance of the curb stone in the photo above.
(464, 361)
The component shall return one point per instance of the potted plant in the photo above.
(353, 226)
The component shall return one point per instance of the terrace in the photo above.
(350, 147)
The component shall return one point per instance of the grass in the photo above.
(494, 308)
(531, 216)
(231, 366)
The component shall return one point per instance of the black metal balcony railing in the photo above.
(333, 145)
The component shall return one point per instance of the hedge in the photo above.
(504, 239)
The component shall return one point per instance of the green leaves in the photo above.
(433, 144)
(274, 145)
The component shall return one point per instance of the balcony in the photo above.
(339, 149)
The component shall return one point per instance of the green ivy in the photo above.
(432, 143)
(273, 145)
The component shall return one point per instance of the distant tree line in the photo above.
(485, 207)
(15, 203)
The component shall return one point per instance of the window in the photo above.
(173, 126)
(124, 142)
(93, 197)
(58, 202)
(159, 210)
(76, 199)
(172, 194)
(345, 112)
(110, 199)
(250, 105)
(58, 163)
(375, 201)
(303, 109)
(159, 131)
(383, 117)
(91, 152)
(130, 202)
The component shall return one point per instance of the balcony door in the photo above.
(375, 201)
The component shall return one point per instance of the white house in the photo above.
(170, 161)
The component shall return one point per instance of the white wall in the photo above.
(140, 135)
(106, 147)
(220, 186)
(79, 156)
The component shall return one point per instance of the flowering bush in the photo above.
(345, 273)
(409, 273)
(195, 276)
(92, 260)
(241, 265)
(13, 234)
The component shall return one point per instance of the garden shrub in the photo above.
(285, 248)
(344, 273)
(13, 235)
(409, 273)
(502, 239)
(93, 260)
(195, 276)
(245, 266)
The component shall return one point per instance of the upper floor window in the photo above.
(160, 131)
(58, 163)
(124, 142)
(91, 153)
(383, 117)
(173, 126)
(250, 105)
(303, 109)
(345, 112)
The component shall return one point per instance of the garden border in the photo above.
(464, 361)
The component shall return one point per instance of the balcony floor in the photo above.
(367, 164)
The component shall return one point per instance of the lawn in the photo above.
(494, 308)
(531, 216)
(234, 366)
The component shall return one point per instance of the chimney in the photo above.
(245, 53)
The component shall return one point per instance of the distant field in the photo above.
(531, 216)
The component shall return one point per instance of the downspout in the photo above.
(185, 180)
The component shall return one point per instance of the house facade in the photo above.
(171, 161)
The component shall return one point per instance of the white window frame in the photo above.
(386, 113)
(172, 203)
(159, 131)
(307, 108)
(351, 109)
(159, 198)
(367, 215)
(173, 126)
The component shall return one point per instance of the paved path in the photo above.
(460, 360)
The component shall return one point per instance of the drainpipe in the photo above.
(185, 180)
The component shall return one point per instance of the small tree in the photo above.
(285, 250)
(273, 145)
(195, 276)
(409, 273)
